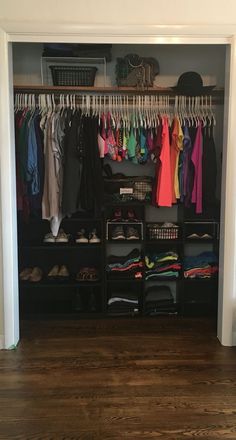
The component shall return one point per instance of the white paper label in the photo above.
(126, 190)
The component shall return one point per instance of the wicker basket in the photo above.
(73, 75)
(129, 188)
(158, 232)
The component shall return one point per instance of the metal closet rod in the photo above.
(217, 94)
(111, 100)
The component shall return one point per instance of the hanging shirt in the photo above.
(51, 209)
(209, 168)
(164, 188)
(131, 146)
(175, 148)
(186, 159)
(32, 159)
(197, 162)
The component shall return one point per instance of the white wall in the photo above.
(209, 61)
(1, 291)
(27, 15)
(122, 12)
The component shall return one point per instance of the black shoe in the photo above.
(78, 303)
(92, 306)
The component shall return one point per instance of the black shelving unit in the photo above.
(61, 296)
(193, 296)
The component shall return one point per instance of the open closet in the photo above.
(118, 187)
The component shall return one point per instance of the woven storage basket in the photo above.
(73, 75)
(130, 188)
(158, 232)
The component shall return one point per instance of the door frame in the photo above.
(127, 34)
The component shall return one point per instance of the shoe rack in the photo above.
(68, 275)
(71, 281)
(193, 296)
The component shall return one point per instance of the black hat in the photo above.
(191, 84)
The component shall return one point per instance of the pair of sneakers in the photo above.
(59, 272)
(129, 233)
(203, 236)
(61, 237)
(83, 303)
(119, 216)
(34, 275)
(92, 237)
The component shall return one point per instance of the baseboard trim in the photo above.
(2, 345)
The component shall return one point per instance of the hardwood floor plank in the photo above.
(118, 379)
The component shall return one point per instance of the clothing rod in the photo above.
(217, 95)
(115, 101)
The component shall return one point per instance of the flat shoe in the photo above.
(36, 275)
(63, 272)
(25, 273)
(53, 272)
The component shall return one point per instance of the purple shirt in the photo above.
(197, 162)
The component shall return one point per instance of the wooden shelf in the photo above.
(62, 246)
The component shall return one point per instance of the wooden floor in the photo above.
(118, 379)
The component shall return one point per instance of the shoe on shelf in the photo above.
(192, 236)
(25, 274)
(132, 234)
(78, 303)
(62, 237)
(93, 238)
(81, 237)
(87, 274)
(63, 272)
(54, 271)
(36, 275)
(168, 225)
(118, 233)
(206, 236)
(117, 216)
(92, 306)
(49, 238)
(131, 216)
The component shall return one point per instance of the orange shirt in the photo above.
(164, 187)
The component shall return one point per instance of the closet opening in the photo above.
(119, 179)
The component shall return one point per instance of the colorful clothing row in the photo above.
(165, 265)
(58, 166)
(184, 157)
(128, 266)
(204, 265)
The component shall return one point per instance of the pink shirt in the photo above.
(197, 162)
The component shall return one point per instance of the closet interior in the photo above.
(118, 179)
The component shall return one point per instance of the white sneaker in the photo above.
(81, 237)
(93, 238)
(49, 238)
(62, 237)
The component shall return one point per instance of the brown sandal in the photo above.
(87, 274)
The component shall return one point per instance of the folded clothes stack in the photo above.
(159, 301)
(204, 265)
(128, 266)
(164, 265)
(123, 304)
